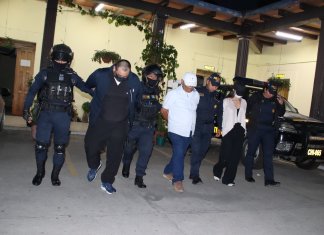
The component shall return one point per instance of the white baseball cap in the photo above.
(190, 79)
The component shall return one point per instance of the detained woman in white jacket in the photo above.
(233, 131)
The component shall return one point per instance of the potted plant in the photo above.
(86, 111)
(105, 56)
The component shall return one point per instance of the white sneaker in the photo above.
(216, 178)
(231, 184)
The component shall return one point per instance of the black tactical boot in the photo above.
(125, 171)
(139, 182)
(37, 180)
(54, 177)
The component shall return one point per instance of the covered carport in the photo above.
(255, 24)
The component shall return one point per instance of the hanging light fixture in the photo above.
(99, 7)
(187, 26)
(289, 36)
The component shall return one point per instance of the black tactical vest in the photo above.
(149, 108)
(58, 88)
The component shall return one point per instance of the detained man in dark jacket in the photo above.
(111, 113)
(263, 110)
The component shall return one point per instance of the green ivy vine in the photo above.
(165, 55)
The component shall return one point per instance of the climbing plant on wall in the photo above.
(165, 55)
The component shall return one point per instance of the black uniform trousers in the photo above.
(106, 134)
(230, 154)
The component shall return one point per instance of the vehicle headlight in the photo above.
(286, 127)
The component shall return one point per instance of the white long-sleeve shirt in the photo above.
(230, 115)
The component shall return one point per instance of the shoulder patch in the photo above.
(201, 94)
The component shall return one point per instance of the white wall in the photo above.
(24, 20)
(297, 61)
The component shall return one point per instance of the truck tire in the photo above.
(258, 159)
(308, 164)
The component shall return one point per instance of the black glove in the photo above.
(28, 117)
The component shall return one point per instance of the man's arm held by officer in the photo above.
(164, 113)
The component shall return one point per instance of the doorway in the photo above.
(19, 70)
(7, 69)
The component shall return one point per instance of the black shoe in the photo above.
(37, 180)
(139, 182)
(196, 180)
(271, 183)
(54, 176)
(250, 179)
(125, 171)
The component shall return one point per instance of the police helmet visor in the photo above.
(153, 69)
(62, 56)
(214, 79)
(61, 52)
(272, 90)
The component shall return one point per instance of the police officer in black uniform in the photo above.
(206, 111)
(141, 135)
(263, 110)
(54, 89)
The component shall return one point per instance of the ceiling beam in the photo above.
(176, 13)
(270, 7)
(195, 29)
(177, 25)
(211, 14)
(288, 21)
(309, 28)
(229, 37)
(256, 46)
(271, 39)
(266, 43)
(211, 7)
(139, 15)
(232, 20)
(188, 9)
(266, 18)
(297, 32)
(164, 3)
(284, 13)
(306, 7)
(212, 33)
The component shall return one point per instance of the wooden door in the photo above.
(23, 73)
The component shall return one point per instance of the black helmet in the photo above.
(152, 68)
(61, 52)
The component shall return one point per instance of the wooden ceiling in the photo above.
(229, 19)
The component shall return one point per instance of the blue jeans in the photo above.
(180, 145)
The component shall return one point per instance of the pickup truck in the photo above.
(299, 138)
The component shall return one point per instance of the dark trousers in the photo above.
(106, 134)
(230, 154)
(265, 137)
(57, 123)
(140, 138)
(199, 147)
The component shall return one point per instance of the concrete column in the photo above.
(242, 56)
(49, 30)
(317, 107)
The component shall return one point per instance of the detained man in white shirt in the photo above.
(179, 109)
